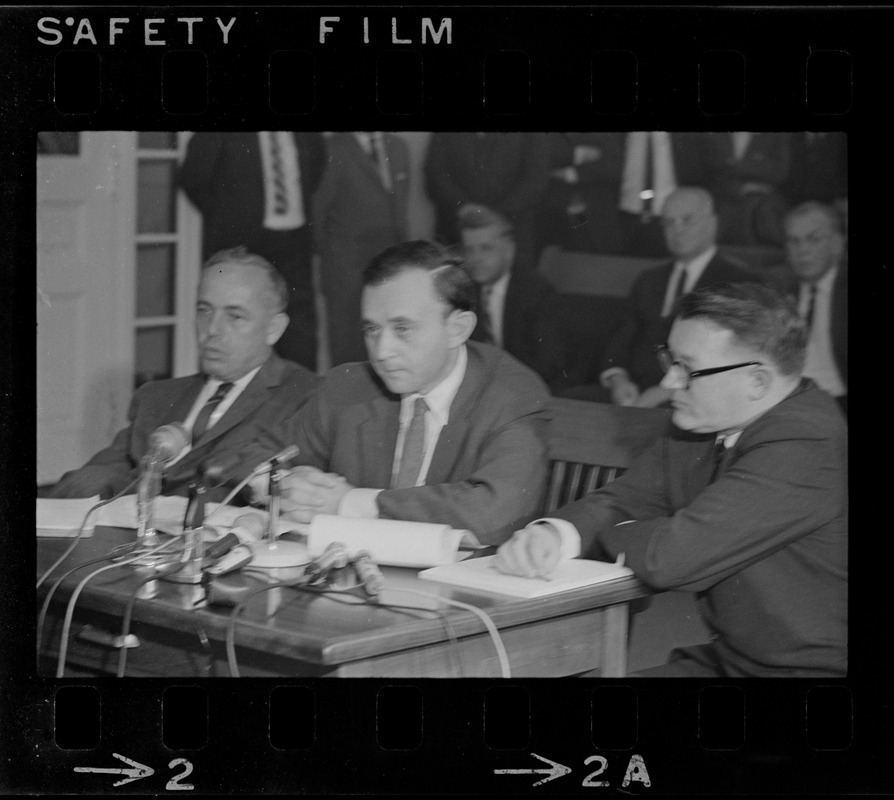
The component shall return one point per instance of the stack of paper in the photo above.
(480, 573)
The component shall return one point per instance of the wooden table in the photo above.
(287, 632)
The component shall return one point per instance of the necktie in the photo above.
(719, 452)
(414, 449)
(811, 306)
(201, 423)
(676, 293)
(280, 199)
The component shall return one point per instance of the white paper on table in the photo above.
(63, 516)
(394, 542)
(170, 511)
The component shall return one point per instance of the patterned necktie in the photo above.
(414, 449)
(201, 423)
(280, 198)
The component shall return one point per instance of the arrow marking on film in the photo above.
(555, 770)
(136, 771)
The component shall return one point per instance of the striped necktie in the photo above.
(201, 423)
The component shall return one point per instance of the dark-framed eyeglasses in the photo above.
(667, 362)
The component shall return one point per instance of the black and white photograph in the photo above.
(507, 416)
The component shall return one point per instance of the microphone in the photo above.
(168, 442)
(247, 529)
(279, 460)
(334, 557)
(370, 575)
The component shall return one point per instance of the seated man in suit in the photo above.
(815, 248)
(511, 301)
(743, 500)
(630, 374)
(433, 428)
(240, 315)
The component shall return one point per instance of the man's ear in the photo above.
(460, 325)
(277, 327)
(761, 380)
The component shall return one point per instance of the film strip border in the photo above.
(198, 68)
(380, 737)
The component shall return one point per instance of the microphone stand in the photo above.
(148, 489)
(277, 560)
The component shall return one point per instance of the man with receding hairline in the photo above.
(433, 427)
(629, 374)
(743, 501)
(240, 315)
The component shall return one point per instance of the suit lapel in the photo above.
(252, 397)
(377, 434)
(454, 433)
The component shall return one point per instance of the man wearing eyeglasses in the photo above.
(743, 501)
(629, 374)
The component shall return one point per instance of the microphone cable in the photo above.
(41, 618)
(80, 532)
(128, 612)
(337, 595)
(69, 611)
(482, 615)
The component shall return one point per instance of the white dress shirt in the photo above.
(361, 502)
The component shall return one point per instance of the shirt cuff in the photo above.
(610, 373)
(568, 536)
(360, 504)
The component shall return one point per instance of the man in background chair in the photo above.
(630, 374)
(513, 299)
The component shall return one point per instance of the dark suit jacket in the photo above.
(766, 160)
(222, 175)
(526, 327)
(504, 171)
(786, 282)
(488, 472)
(355, 219)
(278, 390)
(818, 168)
(355, 216)
(632, 346)
(597, 190)
(764, 546)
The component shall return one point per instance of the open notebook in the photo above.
(480, 573)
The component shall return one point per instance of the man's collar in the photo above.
(699, 262)
(441, 397)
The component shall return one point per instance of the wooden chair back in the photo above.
(590, 444)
